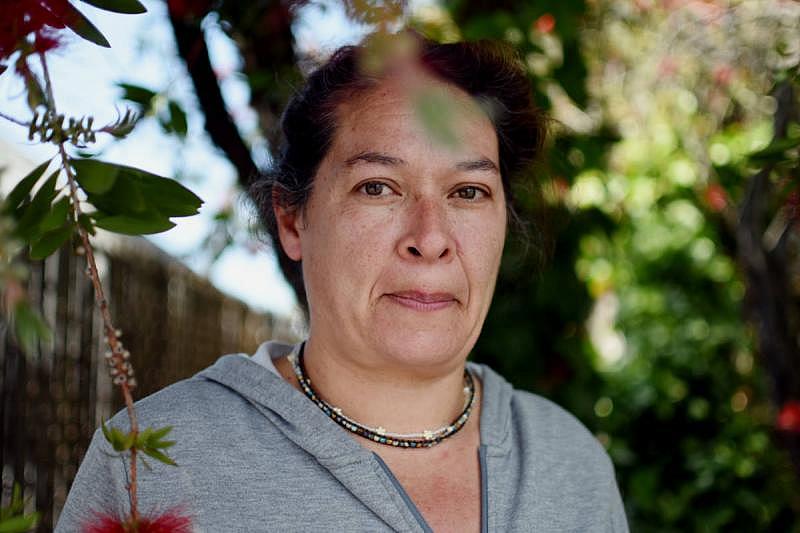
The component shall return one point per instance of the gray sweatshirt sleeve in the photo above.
(618, 522)
(99, 487)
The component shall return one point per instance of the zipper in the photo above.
(484, 489)
(413, 508)
(403, 494)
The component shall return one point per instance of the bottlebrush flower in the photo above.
(172, 521)
(789, 417)
(23, 17)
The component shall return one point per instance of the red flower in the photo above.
(545, 24)
(23, 17)
(716, 197)
(789, 417)
(722, 74)
(172, 521)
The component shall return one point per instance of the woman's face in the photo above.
(402, 236)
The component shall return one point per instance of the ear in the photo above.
(289, 225)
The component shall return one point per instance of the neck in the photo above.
(400, 402)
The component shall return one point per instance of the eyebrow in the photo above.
(481, 164)
(375, 157)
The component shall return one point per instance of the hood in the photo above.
(310, 429)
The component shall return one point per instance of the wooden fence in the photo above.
(174, 323)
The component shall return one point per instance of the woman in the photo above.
(376, 422)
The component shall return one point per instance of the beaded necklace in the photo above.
(425, 439)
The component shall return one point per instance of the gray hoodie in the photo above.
(254, 454)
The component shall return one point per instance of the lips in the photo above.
(424, 301)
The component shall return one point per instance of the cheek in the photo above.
(481, 243)
(347, 246)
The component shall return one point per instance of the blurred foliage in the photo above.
(13, 518)
(635, 322)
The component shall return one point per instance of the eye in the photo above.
(375, 188)
(470, 192)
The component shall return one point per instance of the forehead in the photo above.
(410, 109)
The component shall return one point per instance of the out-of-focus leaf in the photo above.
(436, 112)
(128, 7)
(133, 225)
(177, 119)
(51, 241)
(29, 327)
(137, 94)
(56, 217)
(95, 177)
(38, 209)
(12, 517)
(34, 92)
(77, 22)
(24, 187)
(18, 524)
(775, 151)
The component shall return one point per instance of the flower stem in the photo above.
(118, 357)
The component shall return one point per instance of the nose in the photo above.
(428, 237)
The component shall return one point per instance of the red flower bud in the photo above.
(789, 417)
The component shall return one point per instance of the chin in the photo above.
(424, 348)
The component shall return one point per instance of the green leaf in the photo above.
(137, 94)
(133, 225)
(167, 196)
(128, 442)
(128, 7)
(29, 327)
(51, 241)
(95, 177)
(106, 432)
(119, 440)
(38, 209)
(158, 434)
(140, 194)
(775, 150)
(162, 443)
(23, 188)
(159, 456)
(177, 119)
(18, 524)
(77, 22)
(59, 212)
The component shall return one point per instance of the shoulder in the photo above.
(555, 435)
(194, 402)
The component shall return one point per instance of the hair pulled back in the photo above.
(489, 71)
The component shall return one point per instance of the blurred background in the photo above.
(656, 296)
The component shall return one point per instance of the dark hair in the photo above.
(489, 71)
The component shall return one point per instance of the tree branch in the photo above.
(218, 122)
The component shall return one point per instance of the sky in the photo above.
(143, 53)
